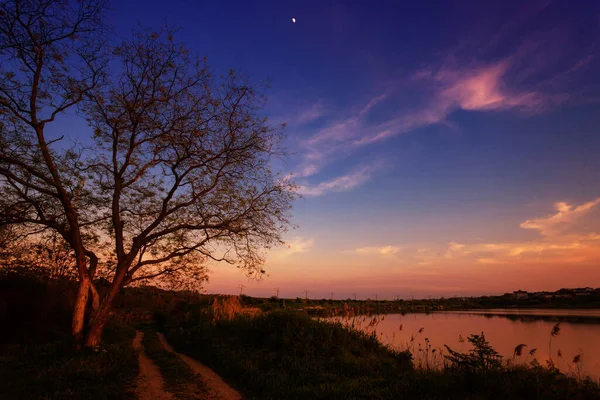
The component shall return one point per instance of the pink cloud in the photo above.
(525, 81)
(484, 89)
(310, 114)
(471, 88)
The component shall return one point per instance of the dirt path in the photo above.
(150, 381)
(219, 389)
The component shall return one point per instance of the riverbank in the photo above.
(278, 354)
(290, 355)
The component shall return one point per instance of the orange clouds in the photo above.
(565, 216)
(565, 254)
(293, 246)
(560, 243)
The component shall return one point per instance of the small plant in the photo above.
(482, 357)
(518, 351)
(553, 333)
(532, 352)
(577, 364)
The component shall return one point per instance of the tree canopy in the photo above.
(174, 170)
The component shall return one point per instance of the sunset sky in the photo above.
(442, 148)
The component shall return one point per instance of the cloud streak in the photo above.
(340, 183)
(523, 81)
(562, 241)
(295, 245)
(479, 88)
(382, 250)
(310, 114)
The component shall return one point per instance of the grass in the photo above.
(287, 355)
(180, 380)
(54, 370)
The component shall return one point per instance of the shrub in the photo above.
(482, 357)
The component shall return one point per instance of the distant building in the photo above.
(520, 294)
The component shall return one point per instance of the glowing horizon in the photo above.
(563, 241)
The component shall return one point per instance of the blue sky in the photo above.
(415, 127)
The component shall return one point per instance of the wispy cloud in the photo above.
(381, 250)
(312, 113)
(562, 241)
(340, 183)
(293, 246)
(481, 87)
(447, 89)
(523, 81)
(485, 89)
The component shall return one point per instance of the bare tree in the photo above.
(179, 173)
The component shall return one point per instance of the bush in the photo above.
(482, 357)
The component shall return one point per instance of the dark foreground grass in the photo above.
(180, 380)
(290, 356)
(54, 370)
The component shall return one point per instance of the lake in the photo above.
(504, 329)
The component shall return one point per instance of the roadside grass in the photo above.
(288, 355)
(179, 378)
(54, 370)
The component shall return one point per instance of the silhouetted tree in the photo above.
(177, 171)
(51, 56)
(39, 255)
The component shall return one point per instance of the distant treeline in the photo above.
(565, 298)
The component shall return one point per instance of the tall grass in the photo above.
(426, 357)
(283, 355)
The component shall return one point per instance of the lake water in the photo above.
(504, 329)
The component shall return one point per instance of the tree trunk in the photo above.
(94, 335)
(95, 300)
(100, 317)
(78, 321)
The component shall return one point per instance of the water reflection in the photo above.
(417, 332)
